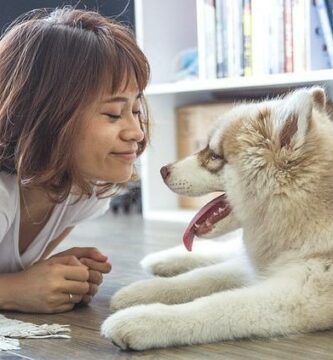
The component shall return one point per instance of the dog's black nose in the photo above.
(165, 172)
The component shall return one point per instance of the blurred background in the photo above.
(123, 10)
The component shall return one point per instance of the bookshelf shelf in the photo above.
(165, 28)
(242, 83)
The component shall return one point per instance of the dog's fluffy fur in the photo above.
(274, 161)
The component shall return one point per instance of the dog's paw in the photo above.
(141, 292)
(139, 328)
(164, 267)
(171, 262)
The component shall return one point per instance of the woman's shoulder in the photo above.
(8, 198)
(8, 189)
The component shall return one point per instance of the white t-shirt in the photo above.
(63, 216)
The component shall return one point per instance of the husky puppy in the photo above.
(273, 161)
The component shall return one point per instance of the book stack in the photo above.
(261, 37)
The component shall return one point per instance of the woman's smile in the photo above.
(126, 155)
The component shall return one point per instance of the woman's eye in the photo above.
(113, 116)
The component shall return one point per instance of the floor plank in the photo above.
(126, 239)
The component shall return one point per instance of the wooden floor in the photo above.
(126, 239)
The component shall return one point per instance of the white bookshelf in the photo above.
(235, 85)
(163, 29)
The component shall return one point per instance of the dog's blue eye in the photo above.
(137, 113)
(215, 157)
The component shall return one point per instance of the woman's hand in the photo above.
(97, 265)
(49, 286)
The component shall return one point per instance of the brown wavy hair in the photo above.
(52, 66)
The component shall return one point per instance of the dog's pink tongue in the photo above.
(188, 238)
(215, 210)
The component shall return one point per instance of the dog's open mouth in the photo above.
(203, 221)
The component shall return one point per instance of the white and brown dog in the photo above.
(273, 161)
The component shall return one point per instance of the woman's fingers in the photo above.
(76, 273)
(81, 279)
(64, 260)
(84, 252)
(69, 298)
(95, 277)
(86, 299)
(75, 287)
(92, 289)
(103, 267)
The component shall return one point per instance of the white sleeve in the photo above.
(4, 225)
(89, 209)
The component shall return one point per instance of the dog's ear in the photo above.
(297, 113)
(319, 98)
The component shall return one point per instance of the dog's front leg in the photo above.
(177, 260)
(186, 287)
(284, 305)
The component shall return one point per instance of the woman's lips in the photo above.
(129, 156)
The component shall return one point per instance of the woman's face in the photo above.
(108, 140)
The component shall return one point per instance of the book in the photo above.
(317, 56)
(276, 34)
(329, 6)
(260, 37)
(299, 41)
(247, 38)
(288, 37)
(326, 27)
(221, 49)
(206, 39)
(238, 42)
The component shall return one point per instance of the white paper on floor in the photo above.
(11, 330)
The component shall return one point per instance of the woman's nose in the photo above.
(133, 131)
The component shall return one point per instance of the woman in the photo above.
(72, 123)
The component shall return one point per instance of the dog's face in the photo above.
(258, 153)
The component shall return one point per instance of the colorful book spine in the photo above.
(316, 49)
(220, 59)
(299, 41)
(280, 39)
(230, 38)
(329, 6)
(247, 37)
(238, 38)
(210, 40)
(326, 28)
(288, 36)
